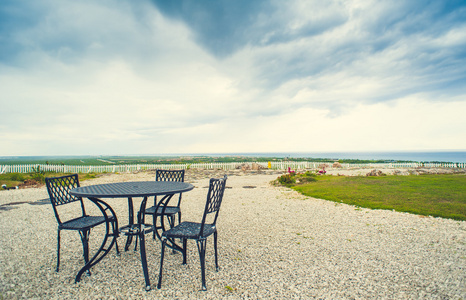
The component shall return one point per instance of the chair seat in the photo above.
(170, 210)
(189, 230)
(82, 223)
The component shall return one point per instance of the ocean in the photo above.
(419, 156)
(441, 156)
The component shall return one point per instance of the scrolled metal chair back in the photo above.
(215, 195)
(59, 191)
(214, 199)
(169, 175)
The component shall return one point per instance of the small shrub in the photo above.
(39, 177)
(37, 170)
(287, 179)
(306, 177)
(293, 178)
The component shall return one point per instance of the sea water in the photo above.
(441, 156)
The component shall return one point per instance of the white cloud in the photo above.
(409, 123)
(121, 78)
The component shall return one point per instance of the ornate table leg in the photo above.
(129, 237)
(143, 229)
(111, 230)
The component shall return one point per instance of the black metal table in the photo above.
(129, 190)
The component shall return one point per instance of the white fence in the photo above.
(280, 165)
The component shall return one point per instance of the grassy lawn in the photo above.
(434, 195)
(16, 179)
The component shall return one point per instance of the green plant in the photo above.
(287, 179)
(434, 195)
(38, 174)
(306, 177)
(292, 178)
(37, 170)
(16, 177)
(87, 176)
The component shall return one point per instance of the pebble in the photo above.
(273, 244)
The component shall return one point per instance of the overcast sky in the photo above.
(150, 77)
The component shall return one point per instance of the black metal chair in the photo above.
(170, 211)
(58, 189)
(198, 231)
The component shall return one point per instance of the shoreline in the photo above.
(455, 156)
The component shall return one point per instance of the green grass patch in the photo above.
(435, 195)
(33, 178)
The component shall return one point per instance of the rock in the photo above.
(256, 167)
(375, 173)
(245, 167)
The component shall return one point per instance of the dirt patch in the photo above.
(30, 183)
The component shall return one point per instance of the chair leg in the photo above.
(85, 240)
(171, 220)
(216, 252)
(179, 217)
(115, 232)
(129, 239)
(201, 246)
(135, 245)
(159, 284)
(136, 240)
(58, 251)
(153, 222)
(185, 250)
(179, 221)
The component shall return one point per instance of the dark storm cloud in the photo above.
(415, 28)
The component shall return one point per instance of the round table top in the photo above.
(132, 189)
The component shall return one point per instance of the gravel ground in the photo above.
(273, 244)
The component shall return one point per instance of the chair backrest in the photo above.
(59, 188)
(169, 175)
(214, 200)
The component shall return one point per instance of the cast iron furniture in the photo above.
(59, 191)
(129, 190)
(170, 211)
(198, 231)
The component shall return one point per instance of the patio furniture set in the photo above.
(165, 220)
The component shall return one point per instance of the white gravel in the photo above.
(273, 244)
